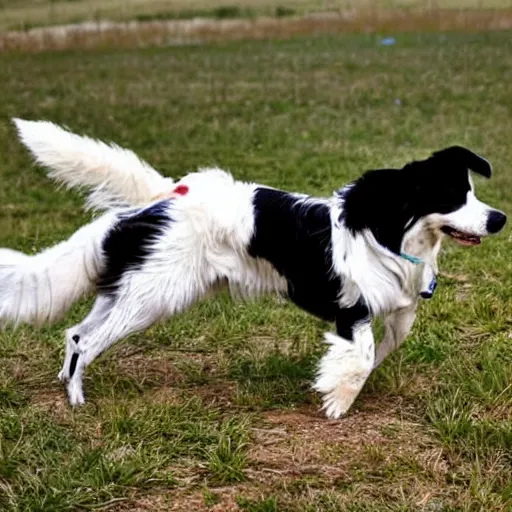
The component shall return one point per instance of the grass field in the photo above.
(22, 14)
(213, 410)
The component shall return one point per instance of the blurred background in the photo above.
(160, 21)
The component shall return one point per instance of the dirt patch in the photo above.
(153, 369)
(299, 455)
(164, 367)
(304, 442)
(215, 395)
(167, 376)
(197, 30)
(302, 456)
(218, 499)
(54, 401)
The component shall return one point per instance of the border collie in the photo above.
(369, 250)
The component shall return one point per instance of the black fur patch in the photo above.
(295, 237)
(377, 201)
(385, 201)
(461, 156)
(72, 365)
(347, 318)
(127, 244)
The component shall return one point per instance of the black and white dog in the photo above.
(369, 250)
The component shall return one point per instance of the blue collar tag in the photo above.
(431, 288)
(412, 259)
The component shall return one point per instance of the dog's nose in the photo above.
(495, 221)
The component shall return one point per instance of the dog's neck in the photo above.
(384, 279)
(424, 243)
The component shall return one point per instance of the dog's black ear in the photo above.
(461, 156)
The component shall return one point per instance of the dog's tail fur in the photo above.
(40, 288)
(114, 176)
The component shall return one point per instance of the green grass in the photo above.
(213, 409)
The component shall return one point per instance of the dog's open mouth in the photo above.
(460, 237)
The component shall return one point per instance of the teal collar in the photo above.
(412, 259)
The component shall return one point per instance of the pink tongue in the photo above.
(468, 243)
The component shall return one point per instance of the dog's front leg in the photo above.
(397, 326)
(348, 361)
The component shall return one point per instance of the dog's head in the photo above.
(454, 208)
(438, 191)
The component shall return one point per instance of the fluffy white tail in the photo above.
(41, 288)
(114, 176)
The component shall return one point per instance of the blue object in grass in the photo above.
(388, 41)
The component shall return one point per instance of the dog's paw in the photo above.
(342, 373)
(332, 409)
(75, 393)
(337, 395)
(337, 402)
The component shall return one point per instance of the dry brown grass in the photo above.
(18, 14)
(182, 32)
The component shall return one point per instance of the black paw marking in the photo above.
(72, 365)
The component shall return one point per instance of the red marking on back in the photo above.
(181, 190)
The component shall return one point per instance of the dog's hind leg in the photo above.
(348, 361)
(126, 314)
(98, 313)
(397, 326)
(101, 332)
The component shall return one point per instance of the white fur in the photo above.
(205, 245)
(384, 280)
(470, 218)
(115, 176)
(41, 288)
(344, 369)
(397, 326)
(12, 257)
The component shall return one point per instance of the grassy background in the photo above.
(212, 410)
(20, 14)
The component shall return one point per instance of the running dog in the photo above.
(369, 250)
